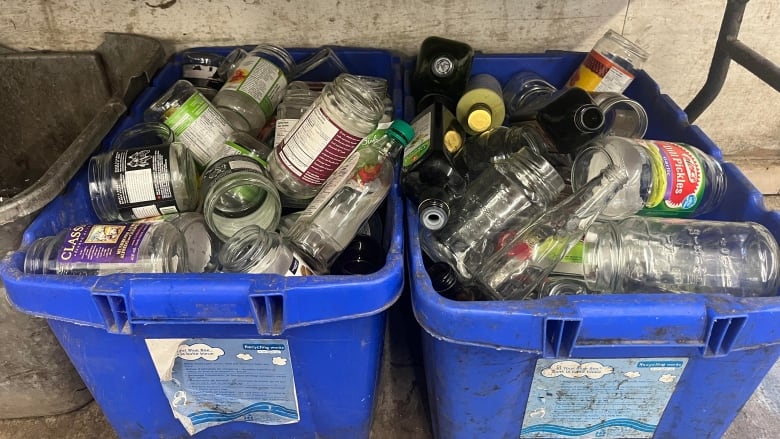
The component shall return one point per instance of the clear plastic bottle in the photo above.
(255, 87)
(254, 250)
(666, 179)
(610, 66)
(642, 254)
(481, 106)
(236, 191)
(101, 249)
(129, 184)
(346, 112)
(195, 121)
(348, 198)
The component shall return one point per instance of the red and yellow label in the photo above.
(599, 73)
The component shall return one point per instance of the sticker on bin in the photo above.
(625, 397)
(209, 382)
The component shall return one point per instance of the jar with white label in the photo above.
(346, 112)
(236, 192)
(254, 250)
(129, 184)
(255, 87)
(195, 121)
(101, 249)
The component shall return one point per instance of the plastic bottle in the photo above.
(345, 112)
(129, 184)
(642, 254)
(348, 198)
(481, 106)
(101, 249)
(254, 250)
(443, 68)
(255, 87)
(610, 66)
(666, 179)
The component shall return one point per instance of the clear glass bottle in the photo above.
(236, 191)
(255, 250)
(443, 68)
(129, 184)
(195, 121)
(525, 260)
(101, 249)
(610, 66)
(511, 193)
(666, 179)
(345, 113)
(144, 134)
(481, 106)
(348, 198)
(556, 285)
(255, 87)
(642, 254)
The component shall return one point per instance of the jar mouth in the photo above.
(143, 135)
(242, 250)
(623, 117)
(247, 199)
(632, 48)
(355, 96)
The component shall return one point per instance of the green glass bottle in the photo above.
(443, 68)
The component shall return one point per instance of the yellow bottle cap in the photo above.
(453, 141)
(479, 120)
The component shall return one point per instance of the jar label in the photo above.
(283, 126)
(287, 264)
(678, 180)
(261, 80)
(571, 262)
(103, 243)
(315, 147)
(141, 182)
(199, 126)
(599, 73)
(421, 143)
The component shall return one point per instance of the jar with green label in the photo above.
(255, 87)
(665, 178)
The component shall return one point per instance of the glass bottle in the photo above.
(444, 280)
(643, 254)
(255, 87)
(349, 197)
(610, 66)
(557, 285)
(129, 184)
(101, 249)
(666, 179)
(443, 67)
(525, 260)
(236, 191)
(481, 106)
(363, 255)
(195, 121)
(512, 192)
(345, 112)
(255, 250)
(143, 134)
(428, 177)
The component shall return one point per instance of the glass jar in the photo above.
(200, 68)
(129, 184)
(101, 249)
(379, 85)
(255, 87)
(345, 113)
(143, 135)
(623, 117)
(254, 250)
(201, 245)
(610, 66)
(236, 192)
(526, 92)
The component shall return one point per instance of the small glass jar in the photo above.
(129, 184)
(101, 249)
(623, 117)
(610, 66)
(201, 245)
(254, 250)
(142, 135)
(345, 113)
(236, 192)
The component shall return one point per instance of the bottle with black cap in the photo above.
(443, 68)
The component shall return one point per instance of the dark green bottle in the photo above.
(443, 68)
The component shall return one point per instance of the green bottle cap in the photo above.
(401, 131)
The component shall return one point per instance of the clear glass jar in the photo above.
(144, 134)
(255, 87)
(610, 66)
(623, 117)
(236, 192)
(195, 122)
(101, 249)
(129, 184)
(254, 250)
(295, 104)
(526, 92)
(379, 85)
(345, 112)
(665, 178)
(201, 245)
(244, 144)
(674, 255)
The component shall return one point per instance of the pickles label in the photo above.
(678, 180)
(421, 143)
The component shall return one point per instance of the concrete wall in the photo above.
(679, 34)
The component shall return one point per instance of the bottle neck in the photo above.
(442, 276)
(479, 117)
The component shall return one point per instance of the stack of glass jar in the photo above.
(567, 197)
(197, 188)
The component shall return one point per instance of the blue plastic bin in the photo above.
(333, 325)
(682, 365)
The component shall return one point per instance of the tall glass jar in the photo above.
(255, 87)
(610, 66)
(254, 250)
(346, 112)
(100, 249)
(129, 184)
